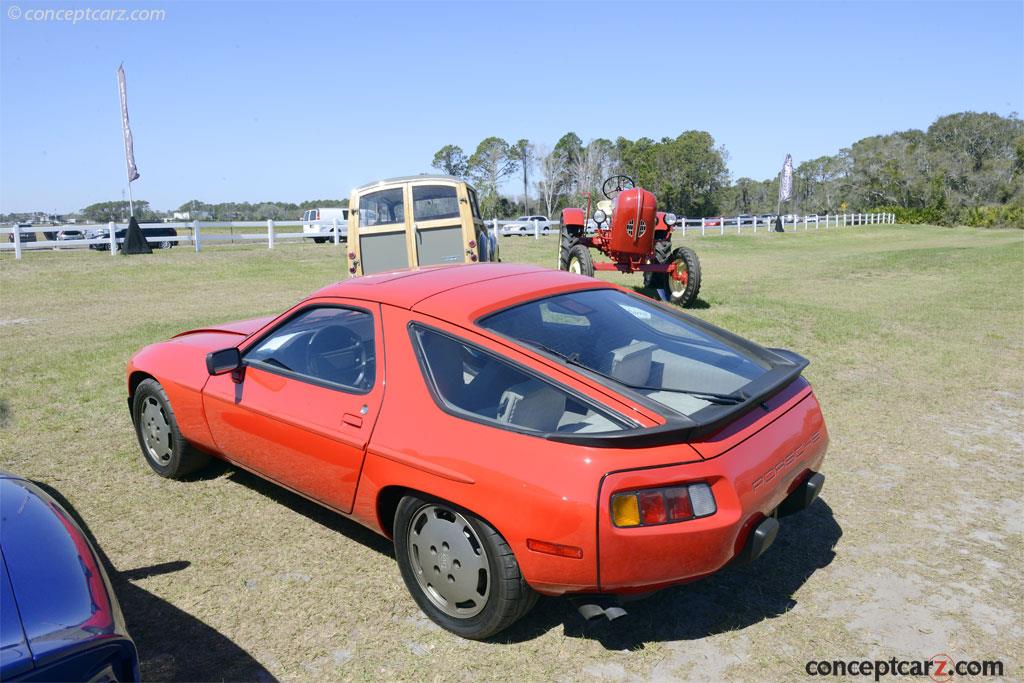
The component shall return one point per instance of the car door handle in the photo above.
(353, 420)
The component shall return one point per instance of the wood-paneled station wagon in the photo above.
(423, 220)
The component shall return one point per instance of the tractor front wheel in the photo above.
(579, 260)
(684, 278)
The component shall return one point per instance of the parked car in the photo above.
(59, 617)
(528, 225)
(422, 220)
(24, 234)
(745, 219)
(713, 222)
(151, 231)
(318, 224)
(542, 432)
(71, 234)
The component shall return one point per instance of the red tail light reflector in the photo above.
(649, 507)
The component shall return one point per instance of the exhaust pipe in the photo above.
(591, 611)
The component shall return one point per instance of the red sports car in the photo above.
(515, 430)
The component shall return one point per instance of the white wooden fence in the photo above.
(271, 232)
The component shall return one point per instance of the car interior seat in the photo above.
(631, 363)
(532, 404)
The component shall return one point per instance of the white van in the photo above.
(318, 224)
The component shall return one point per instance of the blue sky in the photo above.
(283, 101)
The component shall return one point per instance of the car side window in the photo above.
(476, 383)
(473, 202)
(324, 345)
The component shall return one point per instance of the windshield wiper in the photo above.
(573, 359)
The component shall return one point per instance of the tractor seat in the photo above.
(606, 205)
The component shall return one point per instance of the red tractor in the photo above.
(635, 236)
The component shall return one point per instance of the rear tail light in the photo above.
(663, 505)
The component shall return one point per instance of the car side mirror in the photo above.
(223, 361)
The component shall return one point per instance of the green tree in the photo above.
(488, 166)
(450, 160)
(105, 212)
(524, 153)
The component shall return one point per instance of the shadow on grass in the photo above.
(653, 294)
(172, 644)
(303, 506)
(732, 599)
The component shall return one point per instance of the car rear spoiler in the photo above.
(788, 366)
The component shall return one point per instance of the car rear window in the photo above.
(634, 344)
(383, 207)
(474, 383)
(434, 202)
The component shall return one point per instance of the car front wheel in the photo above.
(159, 437)
(459, 569)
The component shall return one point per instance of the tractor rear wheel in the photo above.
(580, 261)
(567, 242)
(684, 283)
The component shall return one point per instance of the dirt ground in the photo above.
(916, 337)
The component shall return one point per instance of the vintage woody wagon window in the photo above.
(434, 202)
(382, 208)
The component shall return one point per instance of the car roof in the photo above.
(410, 178)
(460, 293)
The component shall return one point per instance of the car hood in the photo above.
(241, 328)
(52, 578)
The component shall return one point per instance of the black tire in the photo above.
(662, 250)
(181, 458)
(686, 295)
(319, 240)
(166, 244)
(567, 242)
(579, 256)
(509, 597)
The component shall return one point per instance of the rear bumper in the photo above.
(772, 473)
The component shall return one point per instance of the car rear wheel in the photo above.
(459, 569)
(319, 240)
(166, 244)
(159, 437)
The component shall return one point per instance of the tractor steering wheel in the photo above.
(616, 184)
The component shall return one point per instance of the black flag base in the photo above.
(134, 241)
(778, 224)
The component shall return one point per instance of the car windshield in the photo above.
(634, 344)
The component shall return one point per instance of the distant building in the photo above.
(186, 216)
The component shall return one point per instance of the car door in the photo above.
(303, 406)
(382, 223)
(438, 224)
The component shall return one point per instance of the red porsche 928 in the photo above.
(515, 430)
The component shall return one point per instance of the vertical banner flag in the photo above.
(129, 149)
(785, 182)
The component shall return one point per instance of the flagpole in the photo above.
(127, 168)
(127, 163)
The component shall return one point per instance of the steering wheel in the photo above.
(336, 354)
(616, 184)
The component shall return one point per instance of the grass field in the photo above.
(916, 337)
